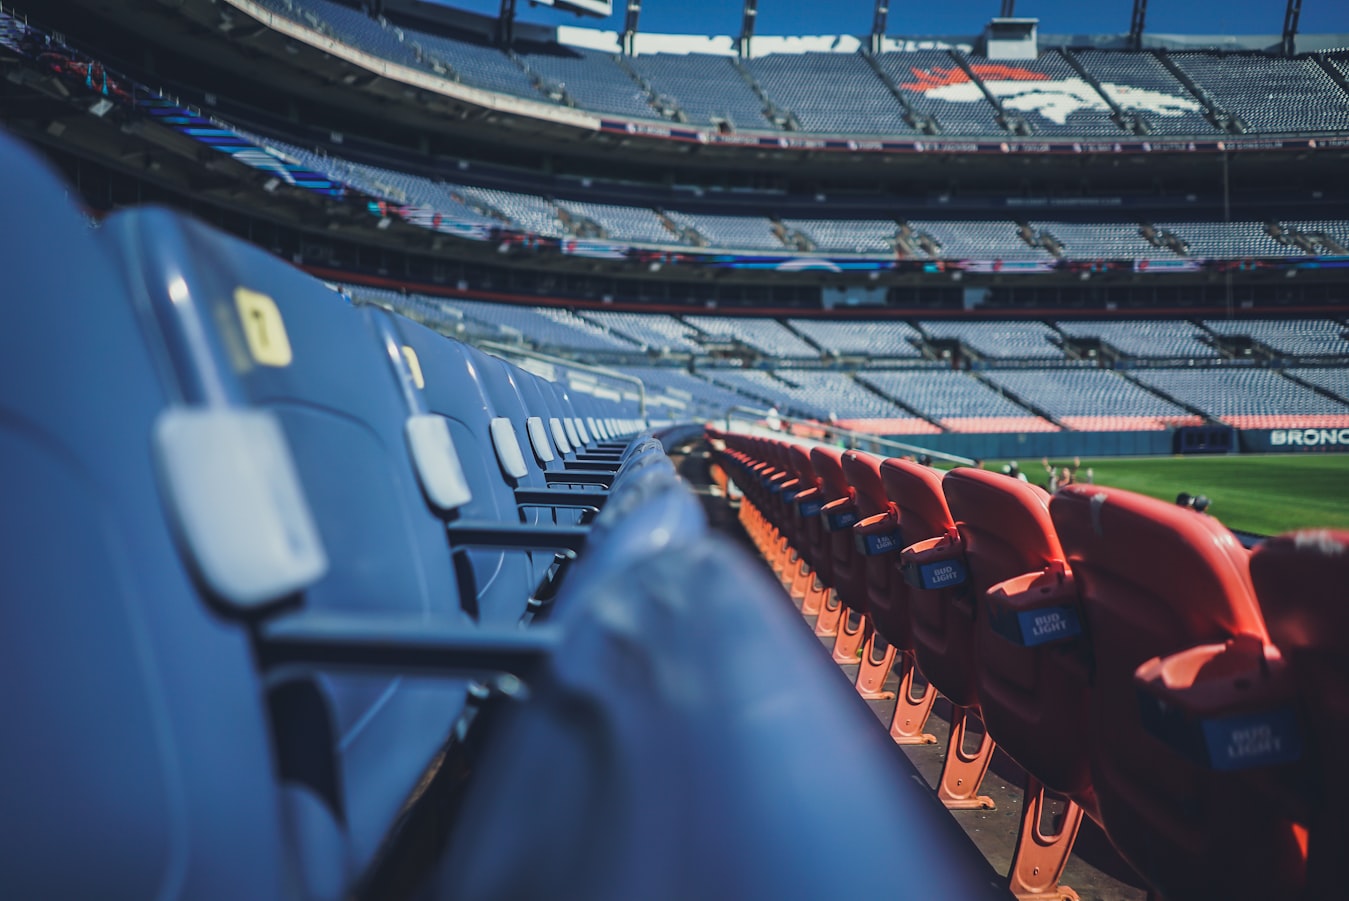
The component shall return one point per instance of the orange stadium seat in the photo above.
(1156, 579)
(837, 515)
(1033, 682)
(1300, 580)
(876, 540)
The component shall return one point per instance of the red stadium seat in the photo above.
(941, 613)
(1300, 580)
(1156, 579)
(837, 516)
(916, 493)
(805, 526)
(1032, 684)
(876, 539)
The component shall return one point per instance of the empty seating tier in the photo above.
(1270, 93)
(1248, 398)
(1092, 399)
(1289, 337)
(869, 338)
(768, 336)
(957, 400)
(1156, 338)
(1028, 340)
(708, 89)
(830, 93)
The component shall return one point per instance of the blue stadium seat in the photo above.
(696, 754)
(139, 747)
(238, 323)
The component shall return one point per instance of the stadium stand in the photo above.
(881, 339)
(1142, 85)
(762, 386)
(1270, 93)
(1248, 398)
(622, 223)
(827, 397)
(768, 336)
(979, 240)
(653, 331)
(471, 62)
(829, 93)
(1165, 339)
(1227, 240)
(1092, 399)
(928, 78)
(473, 568)
(1074, 107)
(348, 25)
(529, 212)
(1005, 340)
(836, 395)
(1288, 337)
(742, 232)
(708, 90)
(245, 518)
(1336, 381)
(544, 326)
(802, 88)
(1098, 240)
(957, 401)
(702, 398)
(847, 235)
(589, 79)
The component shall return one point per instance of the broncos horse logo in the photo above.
(1024, 90)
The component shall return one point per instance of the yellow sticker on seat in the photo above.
(263, 328)
(414, 367)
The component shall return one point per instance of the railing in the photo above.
(854, 440)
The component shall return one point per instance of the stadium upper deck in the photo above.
(910, 95)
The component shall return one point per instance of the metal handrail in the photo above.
(856, 440)
(501, 349)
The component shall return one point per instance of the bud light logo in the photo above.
(1253, 740)
(878, 543)
(1048, 624)
(942, 574)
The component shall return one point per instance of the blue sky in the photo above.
(959, 17)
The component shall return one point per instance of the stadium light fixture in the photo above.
(101, 107)
(747, 26)
(630, 26)
(878, 25)
(1136, 24)
(1291, 14)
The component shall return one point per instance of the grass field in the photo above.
(1262, 494)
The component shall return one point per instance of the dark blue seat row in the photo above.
(267, 555)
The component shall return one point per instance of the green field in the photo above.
(1262, 494)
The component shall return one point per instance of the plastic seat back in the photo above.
(834, 521)
(916, 492)
(138, 743)
(495, 584)
(876, 536)
(279, 340)
(1300, 580)
(1156, 579)
(1032, 679)
(672, 730)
